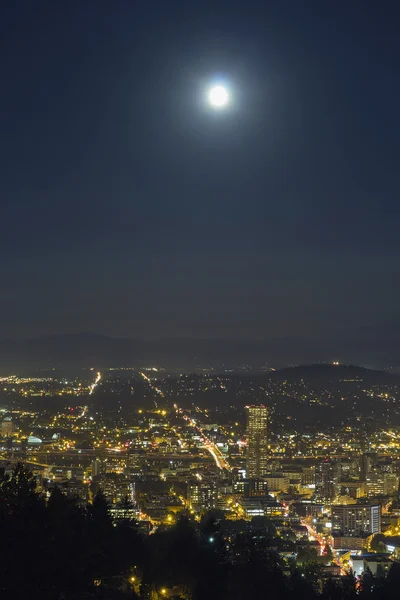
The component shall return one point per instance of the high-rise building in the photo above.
(134, 461)
(255, 488)
(257, 447)
(202, 494)
(6, 427)
(381, 484)
(368, 461)
(115, 487)
(327, 480)
(356, 520)
(98, 467)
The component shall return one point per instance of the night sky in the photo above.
(130, 208)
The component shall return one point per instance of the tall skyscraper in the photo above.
(257, 447)
(327, 480)
(368, 461)
(6, 427)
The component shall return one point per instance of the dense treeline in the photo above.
(56, 550)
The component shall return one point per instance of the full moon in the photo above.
(218, 96)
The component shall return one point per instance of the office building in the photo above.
(6, 427)
(116, 488)
(354, 489)
(382, 484)
(277, 482)
(253, 488)
(202, 494)
(261, 507)
(134, 461)
(307, 476)
(327, 480)
(368, 461)
(377, 564)
(356, 520)
(99, 467)
(257, 448)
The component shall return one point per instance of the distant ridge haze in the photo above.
(91, 349)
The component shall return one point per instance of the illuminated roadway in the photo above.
(153, 387)
(324, 541)
(215, 452)
(94, 384)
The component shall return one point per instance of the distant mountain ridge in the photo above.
(342, 373)
(89, 349)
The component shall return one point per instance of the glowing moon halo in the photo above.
(218, 96)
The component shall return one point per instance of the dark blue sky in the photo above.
(129, 208)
